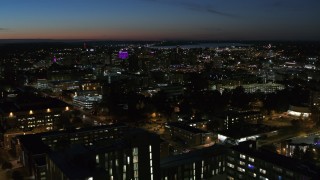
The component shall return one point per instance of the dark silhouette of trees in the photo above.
(270, 147)
(239, 98)
(16, 175)
(297, 153)
(6, 165)
(309, 155)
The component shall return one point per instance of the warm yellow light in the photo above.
(153, 115)
(30, 112)
(48, 110)
(11, 114)
(67, 108)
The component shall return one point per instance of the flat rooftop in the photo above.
(294, 165)
(186, 128)
(247, 130)
(193, 156)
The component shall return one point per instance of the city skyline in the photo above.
(160, 20)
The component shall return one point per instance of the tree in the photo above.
(64, 120)
(214, 125)
(16, 175)
(7, 165)
(76, 121)
(309, 154)
(239, 98)
(297, 153)
(296, 123)
(271, 148)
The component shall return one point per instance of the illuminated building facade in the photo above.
(86, 101)
(315, 99)
(231, 119)
(110, 155)
(190, 135)
(43, 112)
(42, 84)
(246, 162)
(252, 88)
(205, 163)
(299, 111)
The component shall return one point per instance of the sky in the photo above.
(160, 19)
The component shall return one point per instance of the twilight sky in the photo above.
(160, 19)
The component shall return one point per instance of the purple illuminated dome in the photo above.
(123, 54)
(54, 59)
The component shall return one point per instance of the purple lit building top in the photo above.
(54, 59)
(123, 55)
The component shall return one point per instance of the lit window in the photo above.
(128, 160)
(230, 165)
(263, 178)
(240, 169)
(251, 159)
(97, 158)
(242, 156)
(263, 171)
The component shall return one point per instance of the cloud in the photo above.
(207, 8)
(3, 29)
(286, 5)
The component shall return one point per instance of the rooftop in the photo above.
(295, 165)
(246, 130)
(33, 144)
(193, 156)
(27, 103)
(186, 127)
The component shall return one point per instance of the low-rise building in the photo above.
(252, 88)
(39, 112)
(245, 133)
(188, 134)
(233, 118)
(86, 101)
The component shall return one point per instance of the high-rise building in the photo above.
(102, 152)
